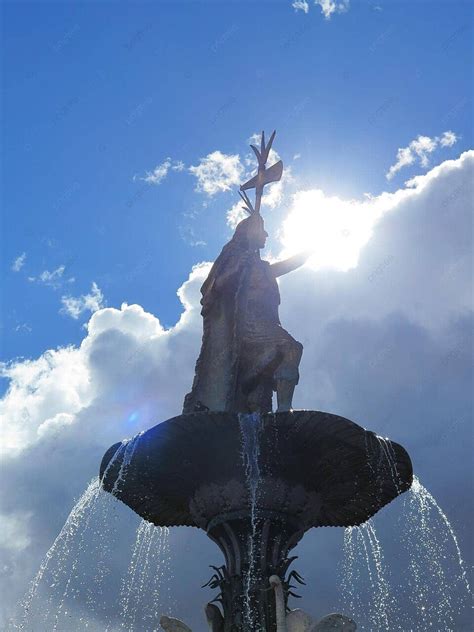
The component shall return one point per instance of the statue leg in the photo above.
(258, 365)
(269, 361)
(284, 391)
(287, 375)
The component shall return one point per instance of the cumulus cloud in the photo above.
(217, 172)
(51, 387)
(75, 306)
(328, 7)
(19, 262)
(160, 172)
(441, 198)
(419, 149)
(336, 229)
(386, 344)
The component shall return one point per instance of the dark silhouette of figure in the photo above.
(246, 354)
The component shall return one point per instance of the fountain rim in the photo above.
(181, 456)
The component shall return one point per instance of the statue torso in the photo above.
(263, 296)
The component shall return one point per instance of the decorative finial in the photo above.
(264, 176)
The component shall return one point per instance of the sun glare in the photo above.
(334, 230)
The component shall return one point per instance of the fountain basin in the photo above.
(316, 469)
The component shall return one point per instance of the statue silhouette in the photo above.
(246, 354)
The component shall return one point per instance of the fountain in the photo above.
(254, 480)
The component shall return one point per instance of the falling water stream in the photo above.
(79, 566)
(364, 565)
(149, 567)
(437, 578)
(433, 588)
(59, 565)
(56, 561)
(250, 431)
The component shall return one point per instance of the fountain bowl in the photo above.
(315, 469)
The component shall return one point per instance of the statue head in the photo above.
(250, 233)
(249, 236)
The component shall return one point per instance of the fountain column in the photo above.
(247, 600)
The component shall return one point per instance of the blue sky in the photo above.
(126, 128)
(96, 93)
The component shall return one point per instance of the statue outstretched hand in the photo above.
(292, 263)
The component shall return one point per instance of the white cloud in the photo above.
(54, 279)
(334, 229)
(23, 327)
(160, 172)
(55, 424)
(301, 5)
(217, 172)
(236, 214)
(275, 192)
(19, 262)
(328, 7)
(386, 344)
(57, 383)
(125, 344)
(91, 302)
(337, 230)
(14, 532)
(448, 139)
(391, 257)
(420, 148)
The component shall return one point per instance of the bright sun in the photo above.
(334, 230)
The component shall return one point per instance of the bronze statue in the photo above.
(246, 354)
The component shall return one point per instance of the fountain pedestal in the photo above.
(253, 551)
(256, 484)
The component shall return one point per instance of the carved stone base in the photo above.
(253, 551)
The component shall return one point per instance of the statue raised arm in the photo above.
(279, 268)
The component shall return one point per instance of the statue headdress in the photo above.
(264, 176)
(233, 247)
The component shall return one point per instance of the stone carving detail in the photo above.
(300, 621)
(169, 624)
(246, 354)
(214, 617)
